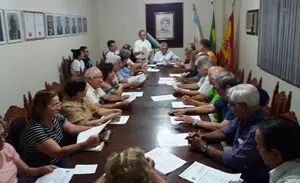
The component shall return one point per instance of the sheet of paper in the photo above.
(175, 75)
(167, 78)
(123, 120)
(177, 105)
(152, 70)
(131, 98)
(200, 173)
(163, 98)
(165, 162)
(83, 136)
(146, 52)
(166, 82)
(151, 65)
(172, 140)
(60, 175)
(85, 169)
(174, 122)
(136, 94)
(211, 117)
(139, 78)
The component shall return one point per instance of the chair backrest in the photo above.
(275, 92)
(15, 130)
(240, 75)
(27, 103)
(255, 82)
(281, 103)
(15, 112)
(249, 76)
(65, 66)
(57, 88)
(290, 115)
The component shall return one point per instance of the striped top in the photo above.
(36, 133)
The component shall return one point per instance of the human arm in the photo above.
(205, 109)
(114, 98)
(26, 171)
(200, 97)
(187, 100)
(154, 176)
(191, 86)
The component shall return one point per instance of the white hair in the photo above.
(204, 62)
(244, 93)
(164, 44)
(223, 79)
(91, 72)
(113, 59)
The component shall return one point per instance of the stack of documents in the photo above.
(178, 105)
(200, 173)
(120, 121)
(174, 122)
(167, 80)
(165, 162)
(136, 94)
(149, 69)
(172, 140)
(139, 78)
(163, 98)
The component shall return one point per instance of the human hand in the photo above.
(136, 84)
(195, 140)
(125, 97)
(116, 111)
(151, 163)
(91, 142)
(185, 119)
(186, 99)
(46, 169)
(177, 112)
(114, 115)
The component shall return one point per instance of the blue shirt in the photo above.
(221, 105)
(87, 62)
(244, 156)
(125, 72)
(264, 97)
(192, 73)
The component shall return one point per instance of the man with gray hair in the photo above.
(95, 96)
(165, 56)
(203, 63)
(244, 157)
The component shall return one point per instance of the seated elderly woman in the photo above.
(12, 165)
(41, 141)
(76, 110)
(130, 166)
(109, 84)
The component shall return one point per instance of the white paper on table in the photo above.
(163, 98)
(136, 94)
(152, 70)
(200, 173)
(131, 98)
(172, 140)
(165, 162)
(166, 82)
(123, 120)
(178, 105)
(139, 78)
(211, 117)
(61, 175)
(151, 65)
(174, 122)
(85, 169)
(167, 78)
(175, 75)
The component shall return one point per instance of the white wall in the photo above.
(248, 54)
(121, 20)
(26, 66)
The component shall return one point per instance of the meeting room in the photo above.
(140, 91)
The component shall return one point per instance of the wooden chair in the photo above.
(57, 88)
(289, 115)
(65, 72)
(249, 76)
(13, 113)
(281, 103)
(240, 75)
(255, 82)
(27, 103)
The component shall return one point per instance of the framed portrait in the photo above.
(252, 22)
(2, 29)
(59, 26)
(84, 21)
(165, 23)
(73, 25)
(67, 25)
(79, 25)
(50, 25)
(14, 28)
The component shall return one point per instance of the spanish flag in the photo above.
(227, 47)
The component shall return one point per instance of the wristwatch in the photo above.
(194, 123)
(204, 149)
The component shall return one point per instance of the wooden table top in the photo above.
(147, 119)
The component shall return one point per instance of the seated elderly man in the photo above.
(223, 81)
(96, 96)
(243, 100)
(112, 47)
(128, 66)
(165, 56)
(203, 64)
(142, 48)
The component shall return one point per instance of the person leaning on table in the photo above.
(130, 166)
(244, 157)
(41, 141)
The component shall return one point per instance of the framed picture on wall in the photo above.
(252, 22)
(39, 22)
(67, 25)
(14, 28)
(79, 25)
(50, 25)
(165, 23)
(2, 29)
(59, 29)
(74, 25)
(84, 21)
(34, 25)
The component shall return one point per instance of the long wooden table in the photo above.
(147, 119)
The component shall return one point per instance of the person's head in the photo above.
(127, 47)
(115, 60)
(46, 104)
(85, 51)
(189, 50)
(164, 48)
(165, 23)
(223, 81)
(111, 44)
(13, 21)
(212, 70)
(3, 133)
(94, 77)
(142, 35)
(124, 54)
(278, 141)
(76, 87)
(67, 20)
(203, 64)
(107, 70)
(204, 45)
(130, 165)
(243, 100)
(77, 54)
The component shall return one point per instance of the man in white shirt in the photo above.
(112, 47)
(142, 48)
(164, 56)
(204, 63)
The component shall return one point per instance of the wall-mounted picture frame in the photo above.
(34, 25)
(85, 27)
(39, 22)
(67, 25)
(79, 25)
(165, 23)
(14, 28)
(252, 19)
(74, 25)
(50, 25)
(2, 29)
(59, 26)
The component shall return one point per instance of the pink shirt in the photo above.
(8, 171)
